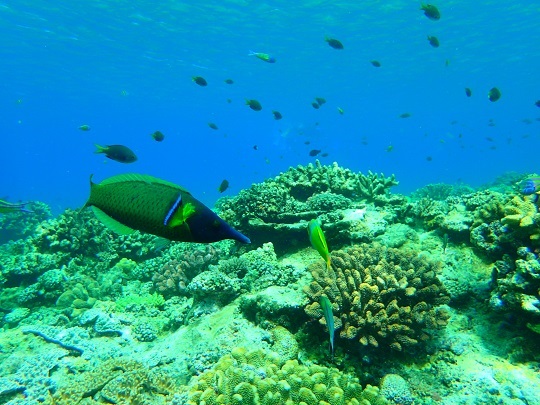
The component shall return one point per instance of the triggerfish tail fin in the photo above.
(318, 241)
(326, 306)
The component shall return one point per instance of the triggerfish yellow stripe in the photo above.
(318, 241)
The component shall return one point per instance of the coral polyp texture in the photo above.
(258, 377)
(382, 297)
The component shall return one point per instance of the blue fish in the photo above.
(530, 186)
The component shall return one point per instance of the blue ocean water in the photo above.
(124, 68)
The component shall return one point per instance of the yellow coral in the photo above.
(372, 289)
(288, 383)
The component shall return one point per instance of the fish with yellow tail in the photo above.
(318, 241)
(130, 202)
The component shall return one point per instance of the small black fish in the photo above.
(334, 43)
(199, 80)
(229, 81)
(405, 115)
(314, 152)
(431, 12)
(307, 142)
(537, 103)
(229, 101)
(223, 186)
(494, 94)
(254, 105)
(429, 158)
(320, 100)
(255, 147)
(315, 105)
(119, 153)
(325, 154)
(468, 92)
(277, 115)
(433, 41)
(213, 126)
(158, 136)
(376, 63)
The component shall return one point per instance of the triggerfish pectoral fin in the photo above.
(318, 241)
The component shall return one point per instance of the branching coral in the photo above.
(259, 377)
(383, 297)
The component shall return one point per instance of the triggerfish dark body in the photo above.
(130, 202)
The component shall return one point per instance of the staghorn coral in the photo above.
(383, 297)
(260, 377)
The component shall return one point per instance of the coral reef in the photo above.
(19, 225)
(383, 297)
(274, 210)
(117, 381)
(253, 271)
(517, 286)
(259, 377)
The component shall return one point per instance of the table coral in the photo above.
(383, 297)
(260, 377)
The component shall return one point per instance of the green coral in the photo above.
(259, 377)
(117, 381)
(19, 225)
(396, 390)
(276, 209)
(384, 297)
(152, 300)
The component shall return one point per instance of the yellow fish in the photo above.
(318, 241)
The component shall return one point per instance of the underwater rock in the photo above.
(383, 297)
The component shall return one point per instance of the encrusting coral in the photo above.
(382, 297)
(259, 377)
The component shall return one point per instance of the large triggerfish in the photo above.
(130, 202)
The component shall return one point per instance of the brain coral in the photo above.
(259, 377)
(383, 297)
